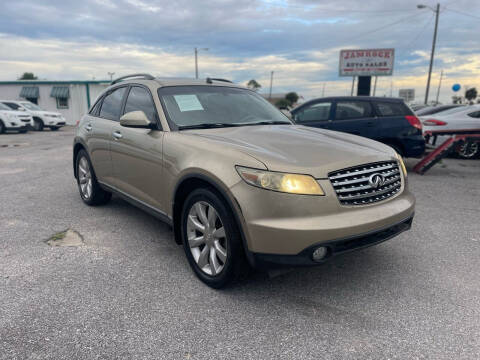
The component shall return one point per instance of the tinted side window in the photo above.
(96, 108)
(112, 104)
(140, 99)
(353, 110)
(12, 105)
(475, 114)
(392, 108)
(315, 112)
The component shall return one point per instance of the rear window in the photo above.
(385, 108)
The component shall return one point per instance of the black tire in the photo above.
(2, 127)
(54, 128)
(468, 151)
(38, 124)
(97, 196)
(22, 131)
(236, 265)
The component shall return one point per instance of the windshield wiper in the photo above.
(269, 122)
(206, 126)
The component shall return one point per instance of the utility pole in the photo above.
(111, 75)
(432, 54)
(323, 90)
(271, 84)
(353, 86)
(439, 85)
(391, 88)
(196, 60)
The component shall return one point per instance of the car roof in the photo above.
(350, 98)
(167, 81)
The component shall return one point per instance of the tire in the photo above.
(38, 124)
(224, 249)
(468, 150)
(2, 127)
(90, 191)
(22, 131)
(54, 128)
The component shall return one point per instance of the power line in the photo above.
(462, 13)
(386, 26)
(410, 44)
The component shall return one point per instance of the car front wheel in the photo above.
(37, 124)
(90, 190)
(211, 239)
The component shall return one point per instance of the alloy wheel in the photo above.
(206, 238)
(468, 149)
(85, 178)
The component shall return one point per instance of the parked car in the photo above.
(41, 118)
(239, 183)
(387, 120)
(13, 120)
(459, 118)
(430, 110)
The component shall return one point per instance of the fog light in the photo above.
(319, 253)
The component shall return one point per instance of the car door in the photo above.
(137, 154)
(316, 114)
(97, 126)
(355, 117)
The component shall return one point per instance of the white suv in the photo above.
(41, 118)
(14, 120)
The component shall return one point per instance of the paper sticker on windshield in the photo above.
(188, 102)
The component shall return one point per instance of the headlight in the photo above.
(402, 164)
(276, 181)
(12, 117)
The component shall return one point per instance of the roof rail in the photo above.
(144, 76)
(224, 80)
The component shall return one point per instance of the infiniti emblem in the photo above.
(376, 180)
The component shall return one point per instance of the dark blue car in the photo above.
(387, 120)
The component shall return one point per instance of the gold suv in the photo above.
(238, 182)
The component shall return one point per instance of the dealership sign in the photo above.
(371, 62)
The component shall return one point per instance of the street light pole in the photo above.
(437, 13)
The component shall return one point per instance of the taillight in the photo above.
(414, 121)
(434, 122)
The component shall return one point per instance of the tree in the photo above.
(28, 76)
(471, 94)
(254, 85)
(292, 98)
(282, 104)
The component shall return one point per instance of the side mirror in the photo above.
(136, 119)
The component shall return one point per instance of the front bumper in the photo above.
(334, 248)
(286, 224)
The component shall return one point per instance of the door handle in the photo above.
(117, 135)
(88, 127)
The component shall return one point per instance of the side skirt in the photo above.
(138, 203)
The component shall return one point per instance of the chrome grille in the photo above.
(366, 184)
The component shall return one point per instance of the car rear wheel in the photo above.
(469, 150)
(2, 127)
(90, 190)
(37, 124)
(211, 239)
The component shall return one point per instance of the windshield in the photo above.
(217, 106)
(31, 106)
(4, 107)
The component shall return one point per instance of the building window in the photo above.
(62, 103)
(32, 100)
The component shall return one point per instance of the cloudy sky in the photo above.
(299, 40)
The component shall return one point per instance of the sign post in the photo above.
(366, 63)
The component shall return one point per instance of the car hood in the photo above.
(13, 112)
(42, 112)
(299, 149)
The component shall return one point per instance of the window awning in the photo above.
(29, 92)
(62, 92)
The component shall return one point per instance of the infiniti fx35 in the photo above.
(240, 184)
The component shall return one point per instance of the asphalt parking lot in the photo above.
(128, 292)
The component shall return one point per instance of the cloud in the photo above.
(297, 39)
